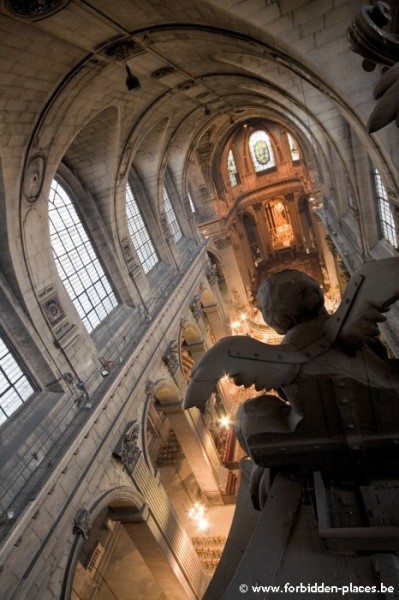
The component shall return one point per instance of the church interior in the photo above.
(159, 160)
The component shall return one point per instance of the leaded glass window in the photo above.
(138, 232)
(15, 388)
(295, 157)
(171, 219)
(77, 263)
(261, 151)
(191, 203)
(387, 222)
(232, 169)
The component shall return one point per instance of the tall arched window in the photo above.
(138, 232)
(15, 387)
(387, 222)
(171, 219)
(294, 150)
(232, 169)
(77, 263)
(191, 203)
(261, 150)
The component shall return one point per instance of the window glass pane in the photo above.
(192, 205)
(15, 388)
(293, 148)
(232, 169)
(387, 222)
(261, 151)
(75, 258)
(138, 232)
(171, 219)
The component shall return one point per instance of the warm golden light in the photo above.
(197, 514)
(224, 421)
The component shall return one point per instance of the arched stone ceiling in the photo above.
(260, 63)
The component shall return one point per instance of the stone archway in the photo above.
(123, 554)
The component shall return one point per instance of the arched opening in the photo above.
(121, 554)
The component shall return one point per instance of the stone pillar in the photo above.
(263, 231)
(158, 557)
(294, 220)
(305, 226)
(196, 350)
(197, 447)
(218, 326)
(232, 272)
(157, 532)
(327, 256)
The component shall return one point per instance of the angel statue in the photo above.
(334, 402)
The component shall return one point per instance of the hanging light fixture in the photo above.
(207, 112)
(132, 82)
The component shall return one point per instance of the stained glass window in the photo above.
(171, 219)
(387, 222)
(293, 148)
(261, 151)
(232, 169)
(14, 385)
(77, 263)
(138, 232)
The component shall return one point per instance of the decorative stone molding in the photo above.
(162, 72)
(53, 310)
(34, 10)
(131, 262)
(223, 243)
(212, 275)
(123, 49)
(196, 307)
(33, 177)
(378, 46)
(186, 85)
(82, 523)
(149, 388)
(183, 322)
(171, 357)
(127, 450)
(125, 160)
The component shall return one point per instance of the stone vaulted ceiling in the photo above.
(201, 65)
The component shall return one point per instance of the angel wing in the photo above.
(247, 361)
(368, 295)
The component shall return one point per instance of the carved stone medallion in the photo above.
(34, 9)
(53, 310)
(33, 177)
